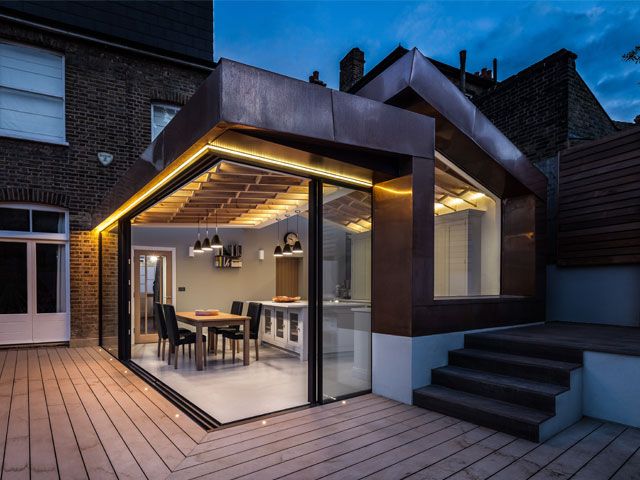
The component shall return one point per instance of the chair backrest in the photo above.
(171, 322)
(158, 312)
(254, 311)
(236, 307)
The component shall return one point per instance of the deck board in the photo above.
(79, 413)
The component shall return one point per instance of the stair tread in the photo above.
(504, 380)
(491, 406)
(519, 359)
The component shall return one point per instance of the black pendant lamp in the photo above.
(287, 248)
(278, 251)
(216, 244)
(206, 244)
(197, 247)
(297, 247)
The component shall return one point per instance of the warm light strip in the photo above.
(292, 166)
(154, 187)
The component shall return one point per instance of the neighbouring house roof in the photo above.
(463, 133)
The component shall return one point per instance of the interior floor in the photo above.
(230, 391)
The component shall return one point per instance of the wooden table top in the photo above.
(221, 317)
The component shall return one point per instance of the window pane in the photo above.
(467, 235)
(15, 219)
(13, 277)
(51, 277)
(31, 115)
(161, 116)
(48, 222)
(31, 69)
(346, 292)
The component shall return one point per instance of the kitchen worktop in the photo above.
(305, 304)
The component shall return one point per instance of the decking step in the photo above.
(503, 416)
(514, 344)
(521, 391)
(532, 368)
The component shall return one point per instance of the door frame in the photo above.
(125, 257)
(134, 248)
(31, 239)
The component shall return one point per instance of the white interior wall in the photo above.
(210, 287)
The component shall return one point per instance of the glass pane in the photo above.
(346, 292)
(466, 235)
(51, 277)
(15, 219)
(13, 278)
(109, 292)
(47, 222)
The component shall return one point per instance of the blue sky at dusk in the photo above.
(295, 38)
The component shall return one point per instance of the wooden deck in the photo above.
(78, 413)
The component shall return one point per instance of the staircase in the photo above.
(518, 386)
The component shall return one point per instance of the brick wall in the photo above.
(108, 98)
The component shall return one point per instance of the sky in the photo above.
(297, 37)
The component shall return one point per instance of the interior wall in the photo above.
(209, 287)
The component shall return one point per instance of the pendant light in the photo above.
(297, 247)
(278, 251)
(287, 248)
(216, 244)
(197, 247)
(206, 244)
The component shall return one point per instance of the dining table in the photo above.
(221, 319)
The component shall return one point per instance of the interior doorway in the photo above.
(153, 282)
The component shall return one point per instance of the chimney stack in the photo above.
(315, 79)
(495, 70)
(463, 71)
(351, 68)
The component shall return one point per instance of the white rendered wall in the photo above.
(402, 364)
(607, 294)
(611, 387)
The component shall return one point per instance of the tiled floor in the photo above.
(227, 390)
(78, 413)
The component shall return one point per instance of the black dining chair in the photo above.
(175, 338)
(236, 309)
(158, 312)
(254, 312)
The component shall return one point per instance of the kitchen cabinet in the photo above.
(283, 325)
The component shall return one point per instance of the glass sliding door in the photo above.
(346, 292)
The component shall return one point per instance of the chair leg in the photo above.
(257, 354)
(224, 340)
(164, 343)
(233, 351)
(169, 355)
(215, 343)
(189, 351)
(159, 342)
(175, 358)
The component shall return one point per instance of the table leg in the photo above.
(199, 349)
(245, 342)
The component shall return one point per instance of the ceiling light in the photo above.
(278, 251)
(287, 250)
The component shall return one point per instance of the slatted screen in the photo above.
(599, 202)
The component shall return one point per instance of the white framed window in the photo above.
(31, 93)
(161, 115)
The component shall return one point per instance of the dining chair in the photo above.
(254, 313)
(236, 309)
(158, 312)
(175, 338)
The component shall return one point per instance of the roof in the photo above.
(463, 133)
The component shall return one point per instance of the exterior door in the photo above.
(33, 292)
(153, 282)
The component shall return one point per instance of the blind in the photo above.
(31, 93)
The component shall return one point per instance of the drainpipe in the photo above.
(463, 71)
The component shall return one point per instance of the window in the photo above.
(161, 115)
(36, 220)
(467, 235)
(31, 93)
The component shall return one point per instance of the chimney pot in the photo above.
(315, 79)
(463, 71)
(351, 68)
(495, 70)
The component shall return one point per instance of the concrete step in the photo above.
(511, 343)
(506, 417)
(516, 390)
(531, 368)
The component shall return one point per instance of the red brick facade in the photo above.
(108, 96)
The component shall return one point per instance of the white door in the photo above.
(34, 281)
